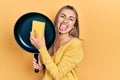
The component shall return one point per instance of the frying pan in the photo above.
(23, 27)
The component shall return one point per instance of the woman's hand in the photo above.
(37, 65)
(36, 41)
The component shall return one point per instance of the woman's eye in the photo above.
(71, 19)
(62, 16)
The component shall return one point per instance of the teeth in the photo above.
(63, 27)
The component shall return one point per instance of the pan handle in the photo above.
(36, 57)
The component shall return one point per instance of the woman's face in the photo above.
(66, 21)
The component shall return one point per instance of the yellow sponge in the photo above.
(39, 27)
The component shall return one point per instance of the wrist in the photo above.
(40, 46)
(42, 49)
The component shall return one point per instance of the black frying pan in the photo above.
(23, 28)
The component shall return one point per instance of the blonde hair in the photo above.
(74, 32)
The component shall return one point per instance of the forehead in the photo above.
(68, 12)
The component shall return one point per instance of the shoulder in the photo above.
(75, 48)
(76, 42)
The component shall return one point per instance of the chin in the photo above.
(63, 32)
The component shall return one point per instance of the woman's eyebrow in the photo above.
(63, 14)
(72, 17)
(66, 15)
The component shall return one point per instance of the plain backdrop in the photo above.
(99, 28)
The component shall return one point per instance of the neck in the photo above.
(63, 38)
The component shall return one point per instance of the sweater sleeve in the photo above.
(70, 60)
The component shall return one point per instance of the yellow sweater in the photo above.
(65, 62)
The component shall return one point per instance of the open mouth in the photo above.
(63, 27)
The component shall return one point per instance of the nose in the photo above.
(65, 20)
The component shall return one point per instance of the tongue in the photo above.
(62, 28)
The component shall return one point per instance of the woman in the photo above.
(62, 59)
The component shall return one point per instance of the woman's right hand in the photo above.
(37, 65)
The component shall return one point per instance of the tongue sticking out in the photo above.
(63, 27)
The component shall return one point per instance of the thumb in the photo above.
(36, 34)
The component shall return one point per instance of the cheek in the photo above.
(72, 24)
(57, 25)
(60, 20)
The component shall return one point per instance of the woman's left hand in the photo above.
(36, 41)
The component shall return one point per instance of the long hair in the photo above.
(74, 32)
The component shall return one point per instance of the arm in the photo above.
(69, 61)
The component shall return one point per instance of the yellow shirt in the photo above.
(65, 62)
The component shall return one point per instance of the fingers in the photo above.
(37, 42)
(32, 39)
(34, 60)
(37, 65)
(36, 34)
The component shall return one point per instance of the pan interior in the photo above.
(23, 28)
